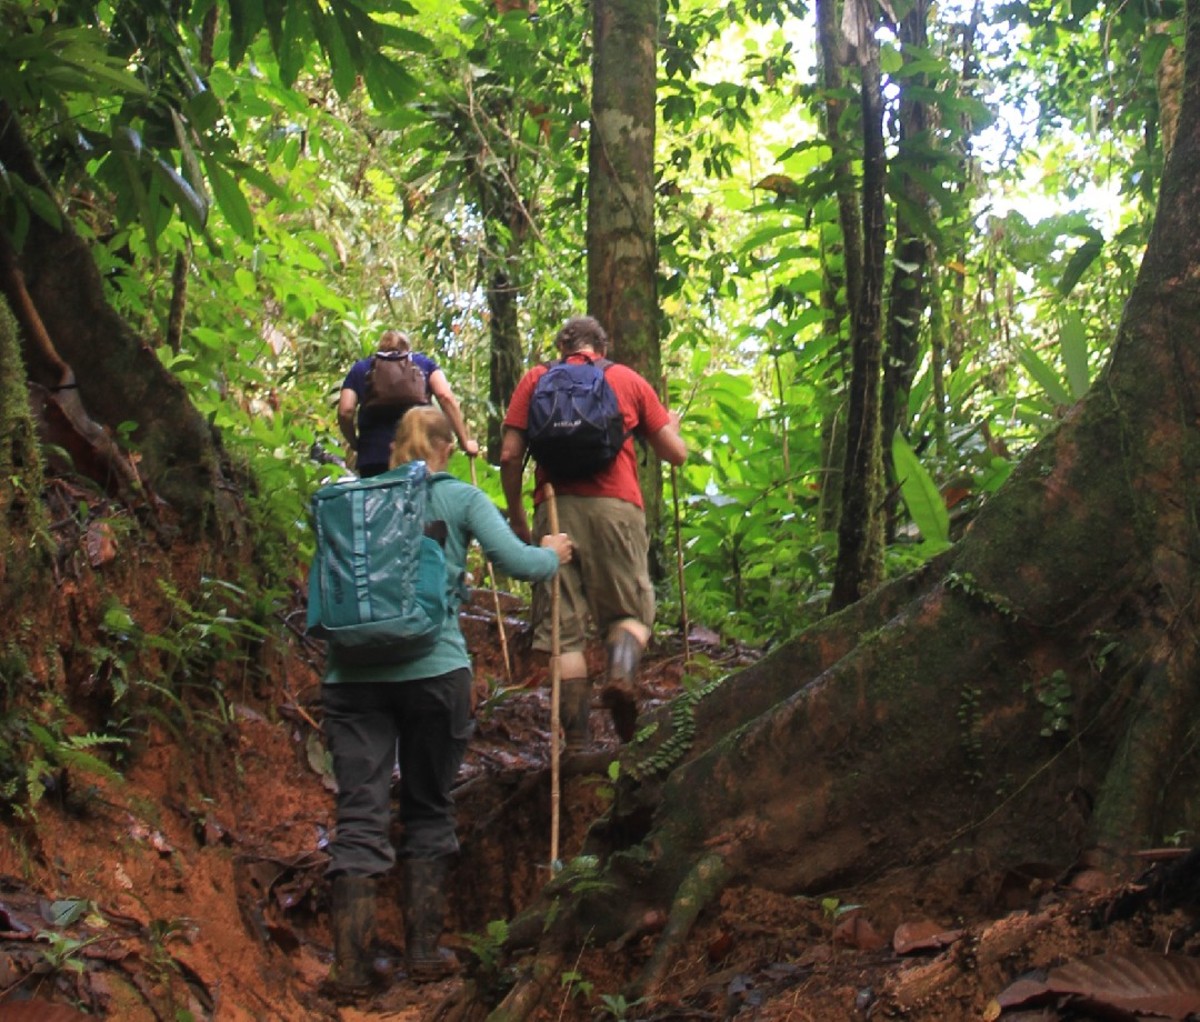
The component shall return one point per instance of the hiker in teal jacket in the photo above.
(426, 705)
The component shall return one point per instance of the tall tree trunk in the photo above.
(841, 261)
(957, 336)
(507, 361)
(906, 302)
(832, 56)
(859, 565)
(622, 257)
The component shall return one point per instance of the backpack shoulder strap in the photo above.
(435, 528)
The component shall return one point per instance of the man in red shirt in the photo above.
(609, 580)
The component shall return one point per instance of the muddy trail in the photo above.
(195, 889)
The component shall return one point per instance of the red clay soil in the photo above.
(195, 891)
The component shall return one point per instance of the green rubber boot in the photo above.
(619, 694)
(574, 706)
(352, 919)
(424, 917)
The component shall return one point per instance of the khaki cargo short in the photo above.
(609, 578)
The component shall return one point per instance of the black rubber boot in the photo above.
(424, 917)
(352, 919)
(619, 694)
(574, 706)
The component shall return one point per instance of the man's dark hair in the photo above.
(579, 332)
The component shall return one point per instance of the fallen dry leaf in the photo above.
(1166, 986)
(856, 932)
(101, 547)
(923, 935)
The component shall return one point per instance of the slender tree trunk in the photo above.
(859, 565)
(906, 303)
(832, 52)
(957, 337)
(841, 261)
(622, 258)
(507, 355)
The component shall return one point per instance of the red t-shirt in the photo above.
(644, 414)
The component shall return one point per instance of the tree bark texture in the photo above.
(506, 360)
(622, 258)
(859, 566)
(119, 377)
(849, 214)
(506, 228)
(906, 300)
(841, 259)
(1031, 693)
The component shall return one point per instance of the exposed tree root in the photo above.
(58, 404)
(698, 890)
(531, 989)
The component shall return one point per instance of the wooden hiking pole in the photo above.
(555, 689)
(683, 614)
(491, 574)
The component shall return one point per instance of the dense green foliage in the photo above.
(324, 172)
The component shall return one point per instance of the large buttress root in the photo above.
(112, 370)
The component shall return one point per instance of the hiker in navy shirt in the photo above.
(368, 431)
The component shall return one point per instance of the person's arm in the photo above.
(347, 406)
(668, 444)
(512, 468)
(439, 386)
(507, 552)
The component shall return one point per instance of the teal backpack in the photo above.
(377, 589)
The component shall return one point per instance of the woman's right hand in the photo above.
(561, 544)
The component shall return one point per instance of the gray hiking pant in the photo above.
(431, 719)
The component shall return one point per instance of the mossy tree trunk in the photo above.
(841, 259)
(859, 566)
(506, 360)
(1033, 692)
(622, 258)
(907, 299)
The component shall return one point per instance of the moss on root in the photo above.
(22, 512)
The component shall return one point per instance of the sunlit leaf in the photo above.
(1082, 258)
(1045, 377)
(229, 198)
(920, 493)
(1072, 339)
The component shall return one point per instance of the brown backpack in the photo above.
(394, 383)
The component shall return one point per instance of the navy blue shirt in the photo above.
(376, 428)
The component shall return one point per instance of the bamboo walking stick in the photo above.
(683, 614)
(555, 690)
(491, 574)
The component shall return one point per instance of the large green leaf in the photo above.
(1082, 258)
(1045, 376)
(1072, 339)
(229, 197)
(921, 495)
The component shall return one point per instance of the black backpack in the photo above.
(395, 383)
(575, 427)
